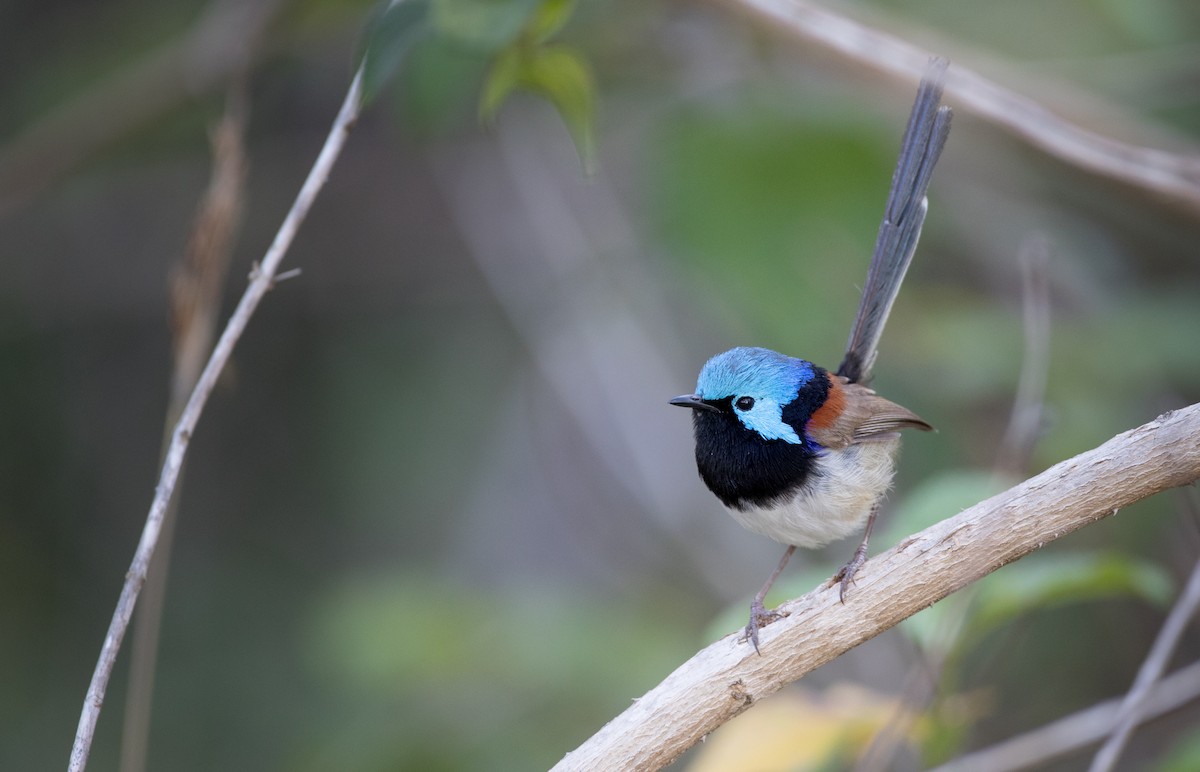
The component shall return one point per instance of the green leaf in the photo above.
(556, 73)
(391, 33)
(550, 17)
(486, 25)
(1044, 581)
(502, 79)
(563, 77)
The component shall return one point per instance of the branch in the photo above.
(1046, 743)
(261, 281)
(1151, 671)
(726, 678)
(1157, 171)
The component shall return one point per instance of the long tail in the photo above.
(928, 127)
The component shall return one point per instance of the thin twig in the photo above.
(1078, 730)
(726, 678)
(1024, 423)
(260, 284)
(1175, 175)
(1149, 674)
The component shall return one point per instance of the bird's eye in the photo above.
(744, 403)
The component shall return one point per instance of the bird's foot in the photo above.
(845, 575)
(759, 617)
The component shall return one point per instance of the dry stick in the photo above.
(1150, 673)
(261, 281)
(726, 678)
(195, 304)
(1158, 171)
(1071, 733)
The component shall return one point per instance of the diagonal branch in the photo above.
(262, 279)
(1176, 175)
(726, 678)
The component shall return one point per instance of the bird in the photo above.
(801, 454)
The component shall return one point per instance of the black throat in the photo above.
(743, 469)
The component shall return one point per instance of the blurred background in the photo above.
(438, 514)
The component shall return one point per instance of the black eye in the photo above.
(744, 403)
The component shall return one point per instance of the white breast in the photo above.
(836, 500)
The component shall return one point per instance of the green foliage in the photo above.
(508, 668)
(775, 208)
(557, 73)
(550, 18)
(515, 34)
(1183, 756)
(1045, 581)
(487, 25)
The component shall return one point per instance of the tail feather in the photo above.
(924, 138)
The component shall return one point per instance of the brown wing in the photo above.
(863, 416)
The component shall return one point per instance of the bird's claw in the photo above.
(759, 617)
(845, 575)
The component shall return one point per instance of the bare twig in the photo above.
(726, 678)
(1158, 171)
(260, 284)
(1078, 730)
(1024, 423)
(195, 303)
(1149, 674)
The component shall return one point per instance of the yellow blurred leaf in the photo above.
(803, 729)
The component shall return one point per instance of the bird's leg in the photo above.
(846, 573)
(759, 616)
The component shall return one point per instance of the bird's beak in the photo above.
(694, 402)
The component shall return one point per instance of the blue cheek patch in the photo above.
(771, 378)
(766, 419)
